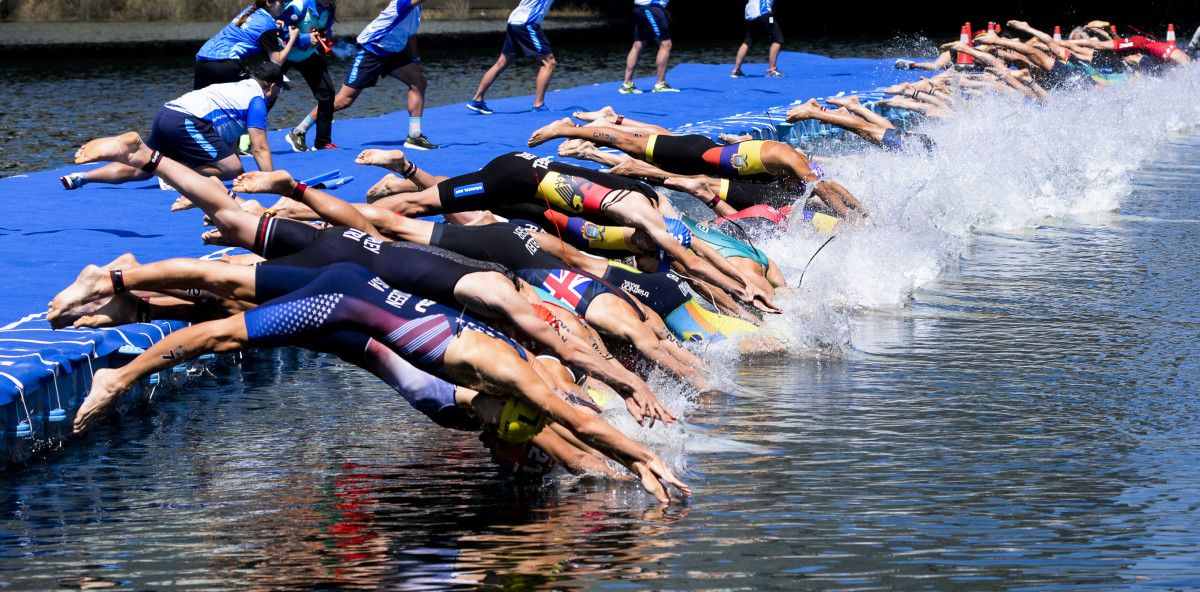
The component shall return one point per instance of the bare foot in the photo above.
(105, 392)
(92, 284)
(243, 259)
(252, 206)
(392, 160)
(277, 182)
(550, 132)
(625, 168)
(182, 203)
(601, 113)
(804, 111)
(214, 237)
(121, 309)
(574, 148)
(126, 148)
(845, 102)
(390, 184)
(897, 89)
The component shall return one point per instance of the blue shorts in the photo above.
(650, 24)
(367, 67)
(525, 40)
(187, 139)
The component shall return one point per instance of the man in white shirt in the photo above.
(201, 129)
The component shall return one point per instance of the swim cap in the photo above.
(519, 422)
(680, 231)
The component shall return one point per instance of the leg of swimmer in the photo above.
(602, 135)
(185, 344)
(584, 150)
(619, 322)
(853, 105)
(395, 161)
(94, 283)
(331, 209)
(841, 118)
(418, 203)
(115, 174)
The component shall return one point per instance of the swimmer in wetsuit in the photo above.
(310, 304)
(439, 275)
(518, 178)
(751, 160)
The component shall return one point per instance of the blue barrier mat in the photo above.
(48, 234)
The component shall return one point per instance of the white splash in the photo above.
(1001, 164)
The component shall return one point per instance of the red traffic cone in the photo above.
(965, 59)
(1171, 35)
(1057, 33)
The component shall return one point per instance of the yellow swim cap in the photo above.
(519, 422)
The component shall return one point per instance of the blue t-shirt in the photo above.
(307, 15)
(236, 43)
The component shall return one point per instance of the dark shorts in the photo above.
(525, 40)
(745, 194)
(367, 67)
(650, 24)
(763, 27)
(209, 72)
(189, 140)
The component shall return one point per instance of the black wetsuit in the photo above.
(522, 178)
(418, 269)
(515, 248)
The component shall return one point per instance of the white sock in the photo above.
(414, 127)
(304, 125)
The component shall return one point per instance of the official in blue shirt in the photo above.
(314, 19)
(253, 31)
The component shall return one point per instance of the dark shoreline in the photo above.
(59, 40)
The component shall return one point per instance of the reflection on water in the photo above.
(1004, 392)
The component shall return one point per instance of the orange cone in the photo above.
(965, 59)
(1171, 35)
(1057, 33)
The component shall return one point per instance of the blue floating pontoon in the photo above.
(47, 234)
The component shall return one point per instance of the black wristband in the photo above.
(152, 164)
(118, 281)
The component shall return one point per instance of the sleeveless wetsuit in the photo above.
(515, 248)
(699, 155)
(305, 304)
(520, 177)
(423, 270)
(725, 244)
(667, 295)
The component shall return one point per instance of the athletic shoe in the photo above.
(736, 74)
(329, 146)
(479, 107)
(541, 107)
(904, 64)
(419, 143)
(774, 73)
(297, 141)
(664, 87)
(629, 89)
(71, 181)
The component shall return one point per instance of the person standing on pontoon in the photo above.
(650, 24)
(760, 22)
(522, 37)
